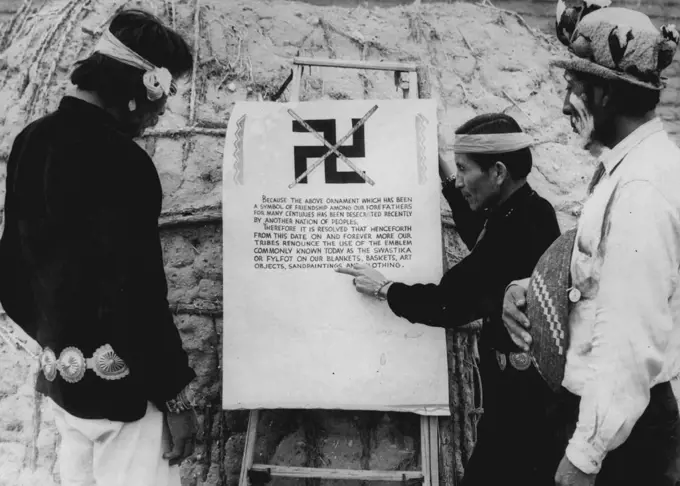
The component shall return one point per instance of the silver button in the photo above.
(574, 295)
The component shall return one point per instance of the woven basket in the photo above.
(548, 308)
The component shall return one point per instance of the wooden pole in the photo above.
(249, 448)
(355, 64)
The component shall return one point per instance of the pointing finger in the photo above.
(348, 271)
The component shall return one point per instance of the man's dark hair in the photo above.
(117, 83)
(519, 162)
(632, 100)
(627, 99)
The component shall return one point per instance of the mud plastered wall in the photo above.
(476, 58)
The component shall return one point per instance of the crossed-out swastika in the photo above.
(332, 150)
(328, 129)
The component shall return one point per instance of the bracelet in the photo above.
(178, 404)
(182, 402)
(381, 285)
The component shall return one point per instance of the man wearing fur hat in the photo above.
(81, 264)
(618, 422)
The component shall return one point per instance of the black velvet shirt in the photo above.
(81, 262)
(517, 234)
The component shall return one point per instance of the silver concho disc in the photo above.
(72, 365)
(574, 295)
(108, 365)
(501, 360)
(48, 364)
(520, 361)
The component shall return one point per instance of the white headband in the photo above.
(158, 81)
(494, 143)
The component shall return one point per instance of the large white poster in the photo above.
(296, 333)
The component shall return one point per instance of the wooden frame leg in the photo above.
(295, 85)
(249, 448)
(429, 446)
(434, 450)
(425, 450)
(412, 85)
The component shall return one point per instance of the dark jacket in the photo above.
(81, 262)
(517, 233)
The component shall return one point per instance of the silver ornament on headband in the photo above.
(158, 83)
(157, 80)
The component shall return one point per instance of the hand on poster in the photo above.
(367, 280)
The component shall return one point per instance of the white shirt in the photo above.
(625, 330)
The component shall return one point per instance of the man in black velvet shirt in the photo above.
(81, 265)
(507, 226)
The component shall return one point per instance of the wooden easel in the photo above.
(406, 77)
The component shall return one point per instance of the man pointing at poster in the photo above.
(507, 226)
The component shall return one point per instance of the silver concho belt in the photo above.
(519, 361)
(72, 364)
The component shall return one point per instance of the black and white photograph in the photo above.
(339, 243)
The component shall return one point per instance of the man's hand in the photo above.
(180, 428)
(514, 319)
(445, 170)
(366, 278)
(569, 475)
